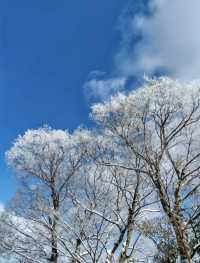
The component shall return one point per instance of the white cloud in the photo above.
(97, 86)
(170, 39)
(2, 207)
(164, 39)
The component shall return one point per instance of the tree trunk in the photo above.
(77, 251)
(116, 245)
(54, 242)
(177, 224)
(182, 240)
(54, 249)
(130, 226)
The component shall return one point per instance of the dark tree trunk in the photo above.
(54, 219)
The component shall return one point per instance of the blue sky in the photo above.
(57, 57)
(47, 50)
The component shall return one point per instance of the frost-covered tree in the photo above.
(159, 123)
(87, 196)
(125, 193)
(21, 240)
(49, 161)
(74, 206)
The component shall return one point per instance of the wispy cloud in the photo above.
(167, 39)
(100, 87)
(157, 36)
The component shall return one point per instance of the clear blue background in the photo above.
(47, 49)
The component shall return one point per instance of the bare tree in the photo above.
(159, 123)
(48, 161)
(117, 195)
(85, 195)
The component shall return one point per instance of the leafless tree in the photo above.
(159, 124)
(85, 195)
(48, 161)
